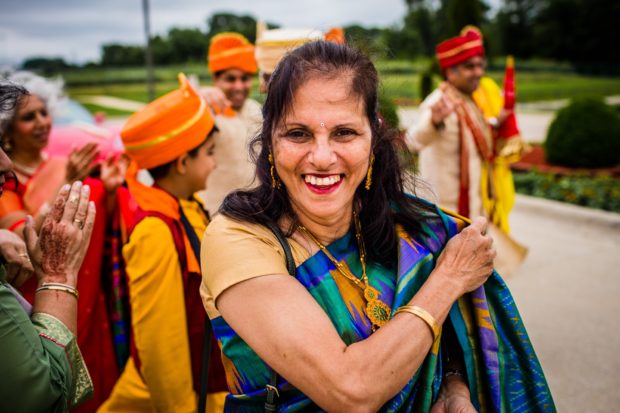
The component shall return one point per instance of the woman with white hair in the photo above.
(26, 131)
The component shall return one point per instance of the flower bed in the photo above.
(595, 188)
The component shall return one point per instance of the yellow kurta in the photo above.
(164, 383)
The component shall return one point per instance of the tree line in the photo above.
(577, 31)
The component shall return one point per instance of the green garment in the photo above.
(41, 367)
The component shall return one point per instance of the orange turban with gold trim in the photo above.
(458, 49)
(231, 50)
(335, 35)
(167, 127)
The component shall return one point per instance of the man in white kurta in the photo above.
(238, 118)
(452, 136)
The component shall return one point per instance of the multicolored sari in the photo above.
(503, 371)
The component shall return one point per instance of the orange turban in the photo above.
(458, 49)
(167, 127)
(335, 35)
(231, 50)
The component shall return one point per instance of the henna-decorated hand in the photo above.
(57, 253)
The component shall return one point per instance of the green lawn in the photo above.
(399, 79)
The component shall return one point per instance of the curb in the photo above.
(557, 209)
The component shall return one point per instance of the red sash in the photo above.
(484, 150)
(195, 312)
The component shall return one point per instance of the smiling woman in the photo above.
(379, 312)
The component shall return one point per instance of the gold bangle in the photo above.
(424, 316)
(59, 287)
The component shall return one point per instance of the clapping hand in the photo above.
(81, 162)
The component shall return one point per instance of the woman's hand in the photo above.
(453, 398)
(57, 253)
(81, 162)
(467, 260)
(453, 404)
(18, 267)
(113, 170)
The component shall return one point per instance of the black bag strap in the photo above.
(206, 349)
(272, 388)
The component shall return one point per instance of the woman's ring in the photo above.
(25, 256)
(79, 222)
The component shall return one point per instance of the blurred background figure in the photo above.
(233, 67)
(458, 152)
(42, 368)
(272, 45)
(26, 132)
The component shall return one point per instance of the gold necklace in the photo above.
(376, 310)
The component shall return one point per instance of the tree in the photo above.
(121, 55)
(515, 24)
(403, 43)
(227, 22)
(366, 39)
(45, 65)
(582, 32)
(453, 15)
(162, 51)
(420, 19)
(187, 44)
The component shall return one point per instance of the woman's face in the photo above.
(5, 167)
(322, 149)
(31, 126)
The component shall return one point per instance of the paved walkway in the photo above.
(568, 293)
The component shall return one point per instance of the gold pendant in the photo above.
(377, 311)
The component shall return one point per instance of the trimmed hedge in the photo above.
(585, 134)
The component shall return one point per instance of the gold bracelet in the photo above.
(59, 287)
(425, 316)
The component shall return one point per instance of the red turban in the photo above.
(458, 49)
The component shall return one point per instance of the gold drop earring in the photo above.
(369, 173)
(275, 182)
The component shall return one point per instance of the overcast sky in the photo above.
(76, 29)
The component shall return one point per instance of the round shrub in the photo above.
(585, 134)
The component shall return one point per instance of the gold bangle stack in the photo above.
(59, 287)
(424, 316)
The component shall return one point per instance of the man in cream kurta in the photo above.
(234, 168)
(452, 136)
(238, 118)
(439, 152)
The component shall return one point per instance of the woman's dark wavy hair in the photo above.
(381, 207)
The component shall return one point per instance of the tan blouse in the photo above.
(234, 251)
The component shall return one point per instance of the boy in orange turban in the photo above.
(233, 67)
(171, 138)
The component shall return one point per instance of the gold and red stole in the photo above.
(481, 134)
